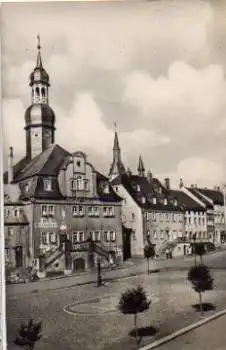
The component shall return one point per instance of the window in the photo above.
(153, 216)
(133, 216)
(10, 231)
(154, 200)
(162, 235)
(44, 238)
(174, 217)
(78, 163)
(43, 92)
(78, 210)
(155, 235)
(147, 215)
(47, 184)
(108, 211)
(138, 188)
(48, 210)
(116, 188)
(124, 201)
(161, 217)
(37, 91)
(165, 201)
(175, 202)
(81, 236)
(16, 213)
(7, 254)
(143, 200)
(93, 211)
(73, 185)
(112, 236)
(52, 238)
(96, 236)
(79, 183)
(86, 185)
(75, 237)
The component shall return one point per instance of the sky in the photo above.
(157, 68)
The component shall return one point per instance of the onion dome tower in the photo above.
(39, 117)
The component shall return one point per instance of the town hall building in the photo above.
(70, 214)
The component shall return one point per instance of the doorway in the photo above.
(126, 243)
(79, 265)
(19, 256)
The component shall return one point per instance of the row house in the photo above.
(16, 229)
(213, 201)
(149, 211)
(72, 210)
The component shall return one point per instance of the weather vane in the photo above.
(115, 125)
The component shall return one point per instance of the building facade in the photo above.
(73, 213)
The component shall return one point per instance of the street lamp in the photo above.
(99, 278)
(194, 239)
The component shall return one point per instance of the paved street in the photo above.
(211, 336)
(94, 323)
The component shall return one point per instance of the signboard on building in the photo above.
(46, 223)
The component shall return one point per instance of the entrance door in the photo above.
(126, 243)
(19, 256)
(79, 265)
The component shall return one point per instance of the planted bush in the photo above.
(28, 334)
(134, 301)
(201, 280)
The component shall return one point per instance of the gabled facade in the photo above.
(213, 200)
(71, 208)
(150, 211)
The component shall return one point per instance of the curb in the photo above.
(183, 331)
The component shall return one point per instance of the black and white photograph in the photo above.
(114, 175)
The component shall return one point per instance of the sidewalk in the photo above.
(211, 336)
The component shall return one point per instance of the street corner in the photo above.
(99, 306)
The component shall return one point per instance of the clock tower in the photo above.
(39, 117)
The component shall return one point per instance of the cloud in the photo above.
(199, 91)
(198, 171)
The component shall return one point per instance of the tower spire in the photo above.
(141, 169)
(117, 167)
(39, 58)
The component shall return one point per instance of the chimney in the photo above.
(10, 165)
(181, 184)
(149, 176)
(167, 183)
(129, 172)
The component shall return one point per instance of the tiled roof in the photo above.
(105, 196)
(195, 192)
(46, 163)
(16, 169)
(215, 195)
(186, 201)
(149, 191)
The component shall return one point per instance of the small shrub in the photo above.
(134, 301)
(201, 280)
(28, 334)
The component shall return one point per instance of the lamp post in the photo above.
(194, 249)
(99, 278)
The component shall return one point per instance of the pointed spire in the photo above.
(39, 58)
(141, 169)
(116, 141)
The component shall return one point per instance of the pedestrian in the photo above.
(167, 253)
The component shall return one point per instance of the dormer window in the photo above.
(165, 201)
(47, 184)
(175, 202)
(26, 187)
(106, 189)
(138, 188)
(154, 200)
(143, 199)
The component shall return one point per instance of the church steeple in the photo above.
(117, 167)
(39, 117)
(141, 169)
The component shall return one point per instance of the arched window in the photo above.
(37, 91)
(43, 92)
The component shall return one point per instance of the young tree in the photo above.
(134, 301)
(200, 250)
(149, 253)
(201, 280)
(28, 334)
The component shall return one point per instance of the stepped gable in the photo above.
(195, 192)
(46, 163)
(105, 190)
(186, 201)
(148, 190)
